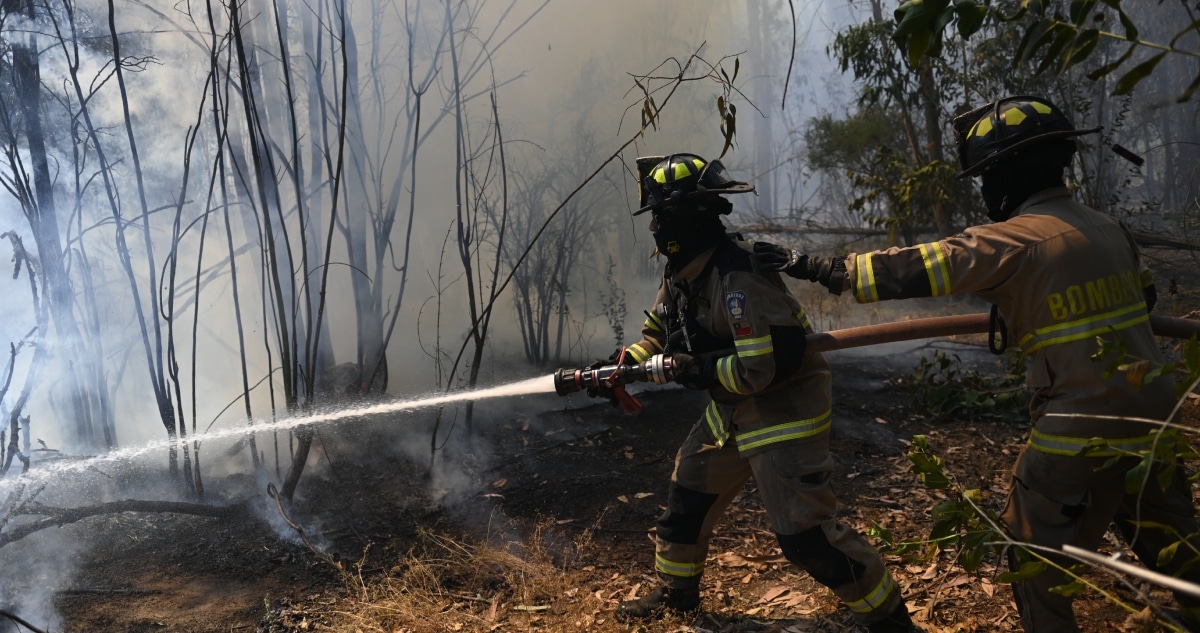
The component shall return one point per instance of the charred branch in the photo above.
(56, 517)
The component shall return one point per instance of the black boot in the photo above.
(898, 621)
(658, 601)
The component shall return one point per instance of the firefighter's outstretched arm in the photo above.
(827, 271)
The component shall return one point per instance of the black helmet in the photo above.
(991, 133)
(678, 177)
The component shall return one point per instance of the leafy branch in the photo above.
(1053, 38)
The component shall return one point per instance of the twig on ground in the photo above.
(6, 614)
(332, 560)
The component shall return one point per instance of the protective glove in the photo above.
(827, 271)
(601, 390)
(695, 371)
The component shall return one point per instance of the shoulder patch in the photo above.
(735, 303)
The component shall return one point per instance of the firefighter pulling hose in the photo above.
(660, 369)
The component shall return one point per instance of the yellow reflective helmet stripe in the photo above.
(660, 176)
(982, 127)
(1040, 107)
(1013, 116)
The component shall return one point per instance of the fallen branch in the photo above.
(6, 614)
(56, 517)
(1170, 582)
(332, 560)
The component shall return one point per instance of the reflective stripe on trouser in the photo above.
(1089, 446)
(1056, 499)
(793, 481)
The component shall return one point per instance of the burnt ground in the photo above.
(567, 470)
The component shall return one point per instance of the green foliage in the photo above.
(943, 389)
(890, 191)
(962, 523)
(1054, 38)
(920, 24)
(959, 524)
(1139, 371)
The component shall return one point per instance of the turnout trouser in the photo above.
(1057, 499)
(793, 480)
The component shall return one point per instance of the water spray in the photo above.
(658, 369)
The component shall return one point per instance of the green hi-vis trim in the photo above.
(1085, 328)
(784, 432)
(725, 374)
(682, 570)
(1099, 447)
(937, 268)
(754, 346)
(876, 598)
(716, 424)
(864, 283)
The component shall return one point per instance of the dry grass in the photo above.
(450, 584)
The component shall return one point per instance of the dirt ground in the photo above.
(566, 471)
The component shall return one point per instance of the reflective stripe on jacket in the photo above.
(1061, 274)
(766, 390)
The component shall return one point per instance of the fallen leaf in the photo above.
(955, 581)
(633, 591)
(531, 607)
(491, 614)
(773, 593)
(623, 499)
(881, 420)
(643, 495)
(564, 521)
(746, 579)
(731, 559)
(499, 483)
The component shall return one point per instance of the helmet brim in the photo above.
(734, 187)
(983, 165)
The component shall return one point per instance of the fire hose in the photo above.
(659, 369)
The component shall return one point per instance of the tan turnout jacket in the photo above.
(1062, 274)
(746, 315)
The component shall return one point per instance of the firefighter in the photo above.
(735, 331)
(1059, 275)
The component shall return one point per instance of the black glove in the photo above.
(827, 271)
(695, 372)
(774, 257)
(601, 390)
